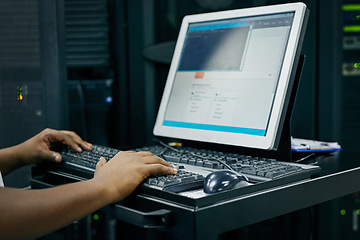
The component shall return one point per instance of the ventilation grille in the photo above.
(19, 38)
(87, 33)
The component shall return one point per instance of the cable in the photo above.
(306, 158)
(172, 148)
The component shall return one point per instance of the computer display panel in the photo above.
(230, 76)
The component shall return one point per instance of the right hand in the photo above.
(126, 170)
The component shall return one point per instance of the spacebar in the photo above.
(185, 186)
(256, 179)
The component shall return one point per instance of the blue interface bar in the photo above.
(218, 128)
(218, 26)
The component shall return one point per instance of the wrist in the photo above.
(102, 191)
(18, 155)
(10, 159)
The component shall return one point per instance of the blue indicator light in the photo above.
(109, 99)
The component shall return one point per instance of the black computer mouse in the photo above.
(223, 180)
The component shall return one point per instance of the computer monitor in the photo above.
(231, 76)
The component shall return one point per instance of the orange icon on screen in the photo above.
(199, 74)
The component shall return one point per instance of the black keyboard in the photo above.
(193, 166)
(83, 164)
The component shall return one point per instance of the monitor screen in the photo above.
(229, 77)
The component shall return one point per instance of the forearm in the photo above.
(29, 213)
(10, 159)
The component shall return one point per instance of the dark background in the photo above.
(99, 68)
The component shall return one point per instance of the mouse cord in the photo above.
(307, 157)
(195, 155)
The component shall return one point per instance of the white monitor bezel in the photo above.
(236, 139)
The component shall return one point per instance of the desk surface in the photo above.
(227, 211)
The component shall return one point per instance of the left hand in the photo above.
(39, 148)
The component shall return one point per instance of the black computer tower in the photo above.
(32, 73)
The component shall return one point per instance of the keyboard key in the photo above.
(209, 164)
(231, 160)
(169, 158)
(199, 163)
(184, 160)
(192, 161)
(260, 173)
(168, 182)
(251, 171)
(187, 178)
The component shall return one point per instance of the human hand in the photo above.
(40, 147)
(126, 170)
